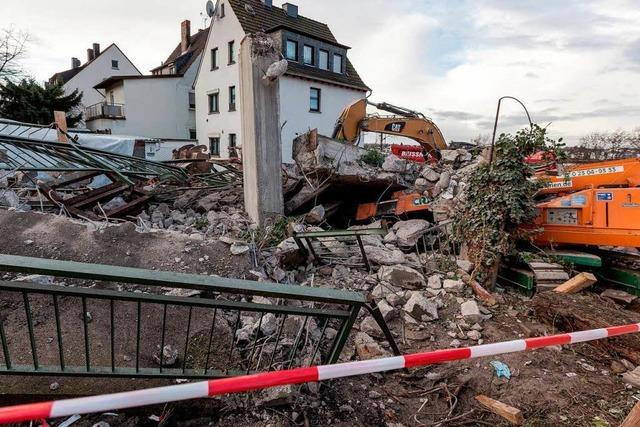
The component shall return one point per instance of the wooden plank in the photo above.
(509, 413)
(633, 419)
(577, 283)
(61, 122)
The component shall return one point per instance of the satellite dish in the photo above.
(211, 9)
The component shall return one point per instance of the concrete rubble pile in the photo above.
(329, 173)
(200, 214)
(411, 285)
(443, 184)
(327, 168)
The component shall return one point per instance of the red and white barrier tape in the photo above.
(130, 399)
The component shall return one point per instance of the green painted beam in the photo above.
(344, 233)
(522, 279)
(100, 294)
(110, 273)
(628, 280)
(582, 259)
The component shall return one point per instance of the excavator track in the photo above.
(621, 270)
(613, 268)
(533, 276)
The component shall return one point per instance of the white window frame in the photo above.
(312, 61)
(319, 99)
(295, 43)
(326, 52)
(336, 56)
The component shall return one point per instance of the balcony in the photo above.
(104, 110)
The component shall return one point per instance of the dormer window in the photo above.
(308, 55)
(337, 63)
(323, 59)
(292, 50)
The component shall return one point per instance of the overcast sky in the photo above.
(574, 63)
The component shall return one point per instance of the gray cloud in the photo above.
(633, 51)
(547, 115)
(457, 115)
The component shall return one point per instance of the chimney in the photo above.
(268, 3)
(185, 28)
(96, 49)
(90, 55)
(290, 9)
(75, 63)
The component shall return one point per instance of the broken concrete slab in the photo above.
(434, 282)
(449, 156)
(367, 348)
(420, 308)
(430, 174)
(169, 356)
(383, 256)
(277, 396)
(316, 215)
(453, 285)
(239, 249)
(370, 327)
(390, 238)
(408, 232)
(394, 163)
(465, 265)
(402, 276)
(470, 311)
(387, 311)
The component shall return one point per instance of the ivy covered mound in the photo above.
(499, 198)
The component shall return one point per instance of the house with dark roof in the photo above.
(100, 65)
(159, 105)
(319, 83)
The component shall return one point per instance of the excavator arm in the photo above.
(411, 124)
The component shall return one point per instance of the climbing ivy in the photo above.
(499, 198)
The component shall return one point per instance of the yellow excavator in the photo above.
(402, 122)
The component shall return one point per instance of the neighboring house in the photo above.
(319, 83)
(160, 105)
(100, 65)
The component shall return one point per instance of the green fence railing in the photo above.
(117, 327)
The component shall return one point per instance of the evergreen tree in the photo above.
(29, 102)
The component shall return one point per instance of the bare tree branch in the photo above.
(13, 47)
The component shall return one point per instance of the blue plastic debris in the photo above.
(502, 370)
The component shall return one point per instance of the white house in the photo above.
(319, 83)
(160, 105)
(100, 65)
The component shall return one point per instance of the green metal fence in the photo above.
(345, 247)
(118, 327)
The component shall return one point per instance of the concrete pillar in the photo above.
(261, 147)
